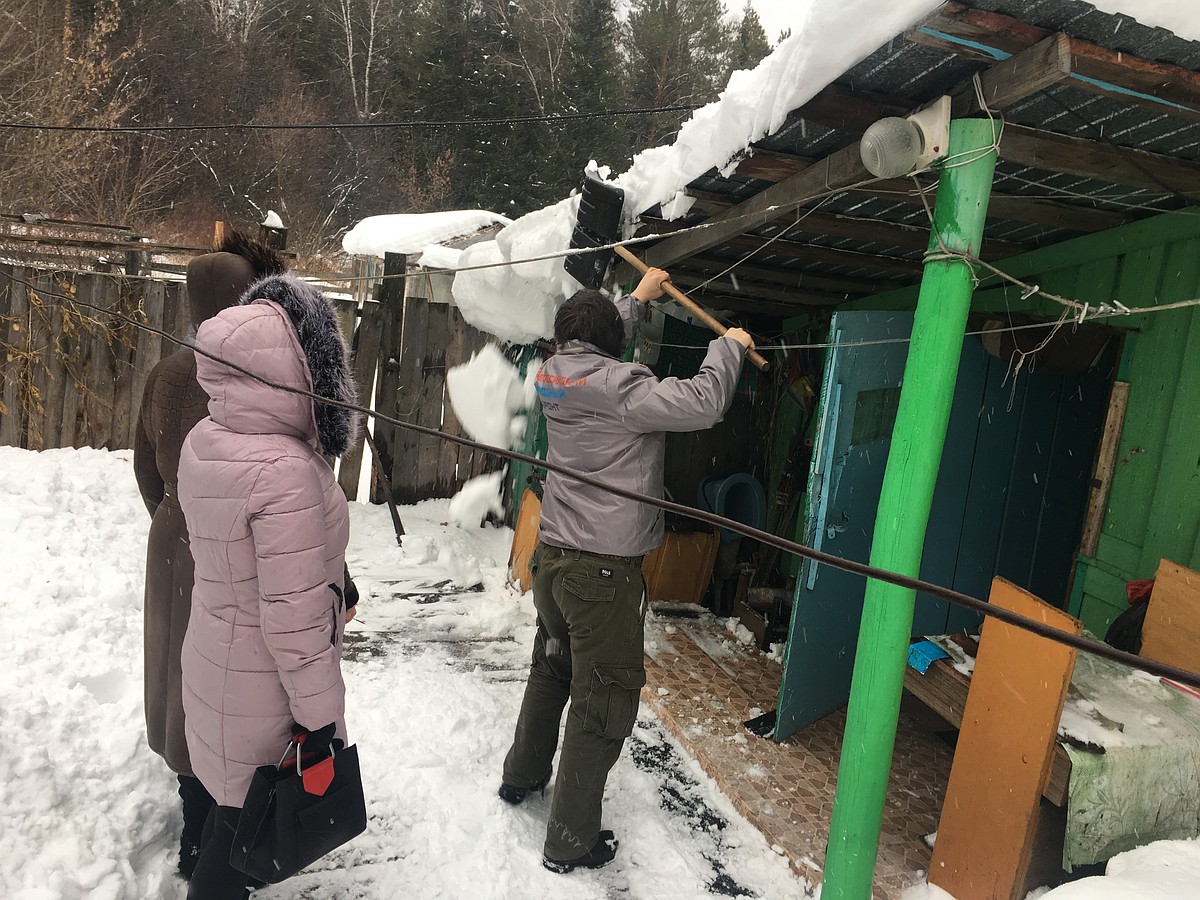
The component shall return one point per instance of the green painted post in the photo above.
(904, 503)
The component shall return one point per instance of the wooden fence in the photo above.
(73, 377)
(420, 337)
(70, 376)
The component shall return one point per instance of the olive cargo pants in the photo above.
(588, 650)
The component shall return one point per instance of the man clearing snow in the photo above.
(607, 418)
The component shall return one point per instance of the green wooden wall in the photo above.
(1154, 505)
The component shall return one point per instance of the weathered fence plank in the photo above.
(56, 362)
(405, 402)
(147, 352)
(432, 399)
(39, 340)
(129, 301)
(12, 425)
(391, 299)
(453, 458)
(364, 362)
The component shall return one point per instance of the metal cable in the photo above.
(551, 119)
(1162, 670)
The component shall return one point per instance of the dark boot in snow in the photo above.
(604, 852)
(515, 795)
(196, 804)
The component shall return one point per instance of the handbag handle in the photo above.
(299, 765)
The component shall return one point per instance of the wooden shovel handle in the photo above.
(690, 305)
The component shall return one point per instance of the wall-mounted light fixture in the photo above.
(898, 146)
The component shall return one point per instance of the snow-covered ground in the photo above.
(435, 673)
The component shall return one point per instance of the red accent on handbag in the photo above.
(318, 777)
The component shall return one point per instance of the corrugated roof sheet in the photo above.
(917, 73)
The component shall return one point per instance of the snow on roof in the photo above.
(411, 232)
(435, 256)
(830, 36)
(517, 303)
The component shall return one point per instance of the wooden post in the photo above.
(275, 238)
(364, 363)
(904, 504)
(382, 475)
(391, 308)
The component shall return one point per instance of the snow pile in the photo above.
(922, 891)
(1181, 18)
(487, 393)
(272, 220)
(84, 802)
(517, 303)
(1164, 870)
(435, 256)
(411, 232)
(478, 497)
(1106, 695)
(435, 670)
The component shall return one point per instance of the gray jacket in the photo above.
(609, 419)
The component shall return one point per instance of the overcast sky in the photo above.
(776, 15)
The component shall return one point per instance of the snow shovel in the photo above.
(598, 223)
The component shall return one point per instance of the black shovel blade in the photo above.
(763, 726)
(598, 223)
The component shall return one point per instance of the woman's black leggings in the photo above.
(214, 878)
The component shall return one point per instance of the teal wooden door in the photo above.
(859, 395)
(1009, 500)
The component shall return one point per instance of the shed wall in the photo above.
(1153, 509)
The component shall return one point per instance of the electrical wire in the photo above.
(872, 343)
(549, 119)
(1153, 667)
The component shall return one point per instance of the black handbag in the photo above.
(298, 811)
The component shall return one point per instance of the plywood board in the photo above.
(525, 537)
(944, 690)
(680, 568)
(1171, 632)
(1003, 758)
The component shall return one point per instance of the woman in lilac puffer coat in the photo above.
(268, 527)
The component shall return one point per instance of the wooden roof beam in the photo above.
(723, 302)
(836, 172)
(878, 231)
(980, 35)
(1044, 64)
(1007, 207)
(801, 251)
(750, 290)
(1103, 162)
(786, 277)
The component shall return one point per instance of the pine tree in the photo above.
(679, 53)
(750, 44)
(460, 70)
(591, 82)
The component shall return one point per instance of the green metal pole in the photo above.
(904, 503)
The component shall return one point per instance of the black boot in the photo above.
(515, 795)
(196, 804)
(602, 853)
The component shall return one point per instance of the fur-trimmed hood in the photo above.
(284, 331)
(324, 350)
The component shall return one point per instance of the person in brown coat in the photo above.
(172, 403)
